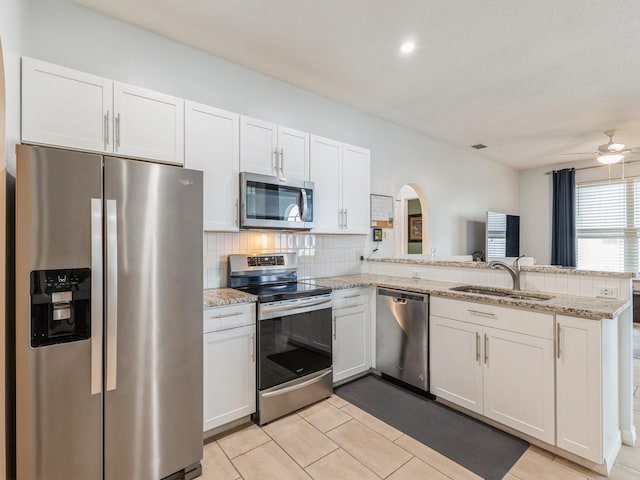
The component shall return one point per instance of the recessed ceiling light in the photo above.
(407, 47)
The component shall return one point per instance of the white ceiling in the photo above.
(529, 78)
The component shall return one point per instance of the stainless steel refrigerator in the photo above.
(108, 318)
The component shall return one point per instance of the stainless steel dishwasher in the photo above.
(402, 336)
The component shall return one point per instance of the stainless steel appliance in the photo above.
(294, 333)
(273, 202)
(402, 336)
(108, 318)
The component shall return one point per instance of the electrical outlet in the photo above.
(607, 292)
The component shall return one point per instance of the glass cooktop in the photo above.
(284, 291)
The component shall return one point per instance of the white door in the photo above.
(229, 376)
(519, 382)
(350, 341)
(258, 142)
(293, 149)
(356, 188)
(148, 124)
(325, 171)
(579, 387)
(212, 145)
(66, 108)
(456, 362)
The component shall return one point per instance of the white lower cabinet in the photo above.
(351, 333)
(495, 361)
(580, 387)
(229, 364)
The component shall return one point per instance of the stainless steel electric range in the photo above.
(294, 325)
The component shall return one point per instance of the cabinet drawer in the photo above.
(231, 316)
(350, 297)
(527, 322)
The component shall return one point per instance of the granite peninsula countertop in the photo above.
(573, 305)
(218, 297)
(525, 268)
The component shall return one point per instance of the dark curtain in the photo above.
(563, 233)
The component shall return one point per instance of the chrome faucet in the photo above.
(513, 270)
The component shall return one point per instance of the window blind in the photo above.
(607, 224)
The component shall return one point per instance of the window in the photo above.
(608, 225)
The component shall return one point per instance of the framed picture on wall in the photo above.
(415, 228)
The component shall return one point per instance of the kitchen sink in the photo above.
(497, 292)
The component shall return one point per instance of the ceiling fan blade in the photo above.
(581, 153)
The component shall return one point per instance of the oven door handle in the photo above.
(295, 306)
(298, 386)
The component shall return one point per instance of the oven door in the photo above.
(293, 342)
(270, 202)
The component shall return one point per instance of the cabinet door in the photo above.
(456, 362)
(229, 376)
(258, 141)
(211, 145)
(579, 387)
(148, 124)
(356, 188)
(325, 172)
(350, 341)
(519, 382)
(293, 146)
(66, 108)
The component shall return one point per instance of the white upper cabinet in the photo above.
(356, 188)
(269, 149)
(293, 153)
(212, 145)
(68, 108)
(148, 124)
(65, 107)
(326, 165)
(341, 174)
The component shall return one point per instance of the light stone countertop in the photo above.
(573, 305)
(525, 268)
(218, 297)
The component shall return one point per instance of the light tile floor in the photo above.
(334, 440)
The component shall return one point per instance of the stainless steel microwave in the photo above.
(272, 202)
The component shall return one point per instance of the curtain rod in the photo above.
(592, 166)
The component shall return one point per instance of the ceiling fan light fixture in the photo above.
(610, 158)
(616, 147)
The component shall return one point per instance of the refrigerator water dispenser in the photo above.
(60, 306)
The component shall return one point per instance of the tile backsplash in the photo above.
(318, 255)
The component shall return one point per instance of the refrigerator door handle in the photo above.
(96, 296)
(112, 294)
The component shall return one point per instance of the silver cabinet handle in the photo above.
(477, 347)
(117, 132)
(112, 294)
(252, 340)
(96, 296)
(282, 162)
(352, 296)
(478, 312)
(340, 218)
(486, 349)
(106, 130)
(275, 160)
(558, 340)
(334, 327)
(224, 315)
(346, 218)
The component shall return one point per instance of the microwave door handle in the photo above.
(305, 205)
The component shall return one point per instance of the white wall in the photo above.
(459, 185)
(536, 202)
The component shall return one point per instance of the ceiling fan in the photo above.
(610, 152)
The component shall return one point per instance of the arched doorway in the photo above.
(412, 221)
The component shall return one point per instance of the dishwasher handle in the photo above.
(400, 296)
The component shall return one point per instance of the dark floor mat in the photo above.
(482, 449)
